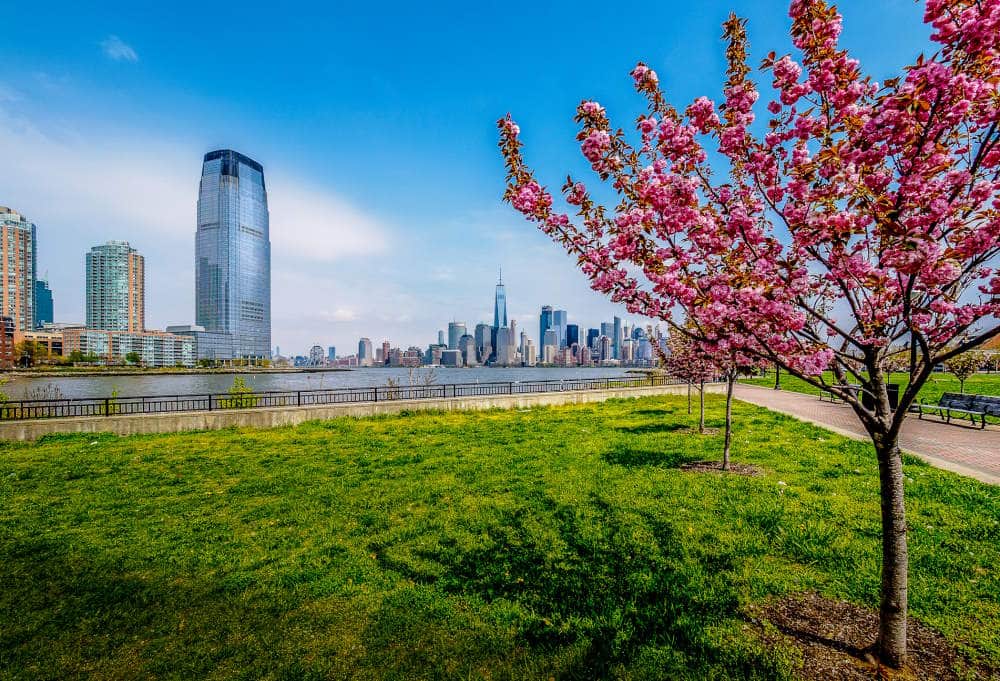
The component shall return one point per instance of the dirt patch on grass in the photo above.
(835, 639)
(692, 430)
(716, 467)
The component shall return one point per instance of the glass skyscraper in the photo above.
(455, 331)
(500, 304)
(116, 288)
(233, 253)
(44, 309)
(544, 324)
(559, 324)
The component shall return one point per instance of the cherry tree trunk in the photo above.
(730, 380)
(701, 408)
(689, 398)
(895, 556)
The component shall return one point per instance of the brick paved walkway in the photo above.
(961, 449)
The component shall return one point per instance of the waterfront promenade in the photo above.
(965, 450)
(132, 416)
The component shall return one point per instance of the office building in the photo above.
(155, 348)
(500, 304)
(331, 354)
(559, 324)
(467, 346)
(484, 342)
(433, 354)
(528, 353)
(544, 324)
(209, 346)
(572, 335)
(18, 246)
(233, 252)
(441, 339)
(51, 341)
(44, 309)
(451, 358)
(550, 341)
(455, 331)
(116, 288)
(365, 358)
(505, 347)
(616, 340)
(592, 336)
(606, 350)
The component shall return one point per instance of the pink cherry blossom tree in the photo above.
(854, 216)
(686, 362)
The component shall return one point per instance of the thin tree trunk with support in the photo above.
(689, 398)
(701, 407)
(730, 382)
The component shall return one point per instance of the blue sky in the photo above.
(375, 125)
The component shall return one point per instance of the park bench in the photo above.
(975, 407)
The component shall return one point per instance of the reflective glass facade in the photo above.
(44, 308)
(233, 253)
(500, 305)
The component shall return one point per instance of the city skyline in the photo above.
(384, 193)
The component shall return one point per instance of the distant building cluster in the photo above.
(232, 286)
(500, 344)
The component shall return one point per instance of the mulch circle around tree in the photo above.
(835, 640)
(716, 467)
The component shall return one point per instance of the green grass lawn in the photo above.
(556, 542)
(937, 384)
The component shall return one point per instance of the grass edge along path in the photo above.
(553, 542)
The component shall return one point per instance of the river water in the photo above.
(49, 387)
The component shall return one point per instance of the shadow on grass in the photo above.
(585, 579)
(648, 428)
(631, 457)
(655, 412)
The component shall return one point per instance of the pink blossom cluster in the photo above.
(863, 214)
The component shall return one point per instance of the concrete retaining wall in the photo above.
(135, 424)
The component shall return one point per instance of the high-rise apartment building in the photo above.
(19, 255)
(44, 309)
(116, 288)
(233, 252)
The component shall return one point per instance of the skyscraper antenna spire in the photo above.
(501, 274)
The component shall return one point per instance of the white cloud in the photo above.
(117, 49)
(314, 224)
(82, 187)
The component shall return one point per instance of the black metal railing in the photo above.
(162, 404)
